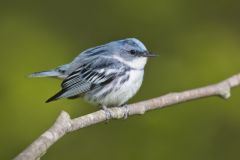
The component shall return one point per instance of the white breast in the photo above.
(123, 92)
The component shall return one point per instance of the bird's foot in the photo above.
(126, 113)
(107, 113)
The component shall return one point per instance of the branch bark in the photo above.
(64, 124)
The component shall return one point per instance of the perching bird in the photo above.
(107, 75)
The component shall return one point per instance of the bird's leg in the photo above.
(107, 112)
(126, 113)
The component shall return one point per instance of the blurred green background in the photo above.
(197, 43)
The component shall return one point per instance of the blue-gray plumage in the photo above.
(107, 75)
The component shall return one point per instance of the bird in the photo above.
(107, 75)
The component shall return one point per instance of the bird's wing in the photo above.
(99, 72)
(88, 56)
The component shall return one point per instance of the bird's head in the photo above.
(131, 51)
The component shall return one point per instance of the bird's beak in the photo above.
(149, 54)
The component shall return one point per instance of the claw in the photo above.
(107, 112)
(126, 113)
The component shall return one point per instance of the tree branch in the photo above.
(64, 124)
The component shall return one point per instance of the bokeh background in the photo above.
(197, 43)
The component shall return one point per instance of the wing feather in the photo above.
(88, 77)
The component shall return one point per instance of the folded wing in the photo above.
(87, 77)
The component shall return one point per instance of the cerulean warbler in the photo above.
(107, 75)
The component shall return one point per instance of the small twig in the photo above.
(65, 124)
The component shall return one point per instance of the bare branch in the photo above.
(65, 124)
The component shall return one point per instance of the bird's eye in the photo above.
(133, 52)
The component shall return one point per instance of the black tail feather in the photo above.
(55, 97)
